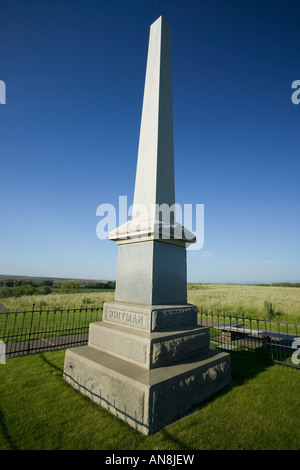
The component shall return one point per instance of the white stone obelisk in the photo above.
(155, 167)
(152, 235)
(148, 361)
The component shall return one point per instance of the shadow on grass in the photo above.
(180, 444)
(7, 436)
(244, 367)
(54, 366)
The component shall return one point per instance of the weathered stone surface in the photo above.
(151, 272)
(203, 378)
(167, 350)
(121, 342)
(146, 349)
(170, 317)
(150, 317)
(146, 399)
(91, 372)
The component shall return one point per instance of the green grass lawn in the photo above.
(38, 410)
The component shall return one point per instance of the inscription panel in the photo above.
(150, 318)
(163, 319)
(133, 319)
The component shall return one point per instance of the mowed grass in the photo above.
(246, 300)
(39, 410)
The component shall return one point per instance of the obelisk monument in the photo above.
(148, 361)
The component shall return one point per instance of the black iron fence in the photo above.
(30, 331)
(269, 339)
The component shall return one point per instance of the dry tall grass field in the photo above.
(226, 299)
(247, 299)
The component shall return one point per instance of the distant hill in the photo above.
(56, 280)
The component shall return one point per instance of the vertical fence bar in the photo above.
(271, 337)
(29, 335)
(46, 326)
(85, 317)
(60, 320)
(22, 332)
(67, 319)
(54, 318)
(243, 341)
(72, 329)
(286, 343)
(257, 344)
(39, 323)
(14, 327)
(22, 328)
(278, 352)
(79, 323)
(5, 325)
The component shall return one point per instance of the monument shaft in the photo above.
(161, 276)
(155, 167)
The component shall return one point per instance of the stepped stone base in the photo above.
(145, 349)
(147, 400)
(148, 365)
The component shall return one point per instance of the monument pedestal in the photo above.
(152, 372)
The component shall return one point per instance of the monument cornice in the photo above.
(135, 231)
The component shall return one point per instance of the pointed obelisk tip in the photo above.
(160, 18)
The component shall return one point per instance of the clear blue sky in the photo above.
(74, 72)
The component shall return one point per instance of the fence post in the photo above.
(32, 313)
(2, 352)
(6, 319)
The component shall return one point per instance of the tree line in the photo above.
(17, 288)
(281, 284)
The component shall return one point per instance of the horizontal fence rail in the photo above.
(36, 330)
